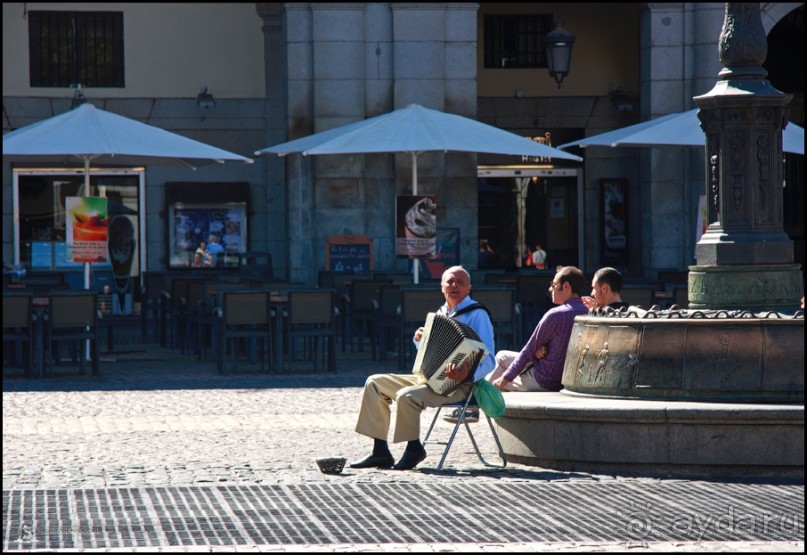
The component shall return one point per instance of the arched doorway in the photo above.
(785, 65)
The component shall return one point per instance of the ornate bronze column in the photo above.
(716, 389)
(741, 337)
(745, 259)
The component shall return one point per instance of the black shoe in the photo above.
(410, 460)
(375, 461)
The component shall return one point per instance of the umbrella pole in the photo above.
(86, 194)
(416, 260)
(87, 268)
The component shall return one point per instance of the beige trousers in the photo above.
(523, 382)
(410, 397)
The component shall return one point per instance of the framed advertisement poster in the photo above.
(221, 227)
(614, 218)
(416, 225)
(87, 226)
(447, 253)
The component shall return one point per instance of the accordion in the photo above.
(444, 341)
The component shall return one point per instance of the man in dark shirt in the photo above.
(606, 290)
(539, 365)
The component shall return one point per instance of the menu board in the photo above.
(349, 254)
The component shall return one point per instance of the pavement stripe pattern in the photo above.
(401, 513)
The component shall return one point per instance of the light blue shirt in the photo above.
(215, 248)
(480, 322)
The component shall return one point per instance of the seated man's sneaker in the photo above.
(471, 416)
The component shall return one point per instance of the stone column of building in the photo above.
(435, 66)
(677, 55)
(745, 259)
(351, 61)
(328, 63)
(379, 98)
(274, 50)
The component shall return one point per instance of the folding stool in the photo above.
(463, 406)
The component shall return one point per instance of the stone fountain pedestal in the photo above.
(683, 392)
(717, 389)
(694, 439)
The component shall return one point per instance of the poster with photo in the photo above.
(416, 225)
(702, 220)
(446, 255)
(87, 224)
(614, 220)
(192, 227)
(193, 224)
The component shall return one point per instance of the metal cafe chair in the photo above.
(388, 316)
(463, 405)
(72, 317)
(311, 315)
(532, 295)
(680, 296)
(338, 281)
(361, 309)
(203, 309)
(194, 312)
(494, 277)
(242, 314)
(174, 309)
(505, 314)
(18, 329)
(256, 264)
(643, 296)
(416, 303)
(150, 295)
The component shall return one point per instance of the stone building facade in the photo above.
(283, 71)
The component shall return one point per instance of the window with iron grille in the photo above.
(516, 40)
(70, 48)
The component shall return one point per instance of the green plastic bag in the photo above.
(489, 398)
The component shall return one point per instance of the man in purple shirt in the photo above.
(539, 365)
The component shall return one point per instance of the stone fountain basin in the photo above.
(687, 355)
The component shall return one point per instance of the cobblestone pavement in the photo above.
(156, 419)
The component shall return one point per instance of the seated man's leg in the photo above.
(503, 361)
(412, 401)
(379, 392)
(525, 381)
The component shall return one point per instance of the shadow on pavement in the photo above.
(150, 367)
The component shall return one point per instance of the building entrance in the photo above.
(784, 65)
(521, 206)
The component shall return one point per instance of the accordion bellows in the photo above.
(444, 341)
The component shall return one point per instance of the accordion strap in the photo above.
(471, 308)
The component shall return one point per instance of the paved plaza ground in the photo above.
(163, 453)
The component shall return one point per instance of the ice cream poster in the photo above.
(87, 228)
(702, 218)
(416, 225)
(446, 255)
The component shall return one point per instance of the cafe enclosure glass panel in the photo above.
(40, 230)
(198, 210)
(192, 224)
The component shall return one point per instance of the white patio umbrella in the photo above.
(415, 130)
(679, 129)
(89, 133)
(93, 135)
